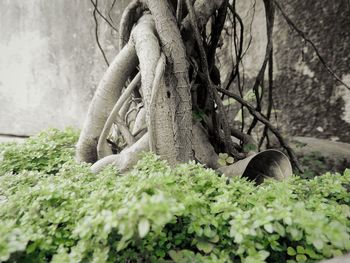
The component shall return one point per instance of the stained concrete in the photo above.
(49, 62)
(308, 100)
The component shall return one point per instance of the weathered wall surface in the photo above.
(308, 100)
(49, 62)
(314, 103)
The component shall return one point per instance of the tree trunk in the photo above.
(182, 110)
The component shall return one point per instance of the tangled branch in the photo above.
(96, 31)
(156, 38)
(266, 122)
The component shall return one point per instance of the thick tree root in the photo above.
(103, 101)
(126, 159)
(164, 125)
(159, 74)
(179, 92)
(140, 123)
(102, 147)
(203, 150)
(131, 14)
(159, 119)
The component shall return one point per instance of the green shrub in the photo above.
(160, 214)
(45, 152)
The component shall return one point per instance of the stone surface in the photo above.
(335, 156)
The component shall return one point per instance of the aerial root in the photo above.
(102, 147)
(155, 88)
(130, 16)
(126, 159)
(105, 97)
(140, 126)
(163, 124)
(204, 152)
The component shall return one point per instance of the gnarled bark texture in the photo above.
(103, 101)
(177, 74)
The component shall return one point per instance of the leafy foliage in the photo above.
(160, 214)
(45, 152)
(225, 159)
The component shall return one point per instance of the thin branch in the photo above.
(110, 10)
(303, 36)
(250, 29)
(114, 115)
(241, 52)
(102, 16)
(206, 77)
(265, 121)
(270, 101)
(216, 33)
(270, 17)
(238, 54)
(96, 31)
(179, 12)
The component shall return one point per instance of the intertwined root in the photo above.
(155, 110)
(164, 92)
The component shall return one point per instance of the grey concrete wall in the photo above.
(315, 104)
(308, 100)
(49, 62)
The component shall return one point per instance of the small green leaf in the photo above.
(291, 251)
(222, 162)
(301, 258)
(230, 160)
(143, 227)
(206, 247)
(238, 238)
(287, 220)
(176, 256)
(208, 232)
(300, 250)
(268, 228)
(215, 239)
(264, 254)
(318, 244)
(311, 253)
(223, 156)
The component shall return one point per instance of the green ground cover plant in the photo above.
(54, 210)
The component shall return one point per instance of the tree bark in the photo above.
(178, 91)
(103, 101)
